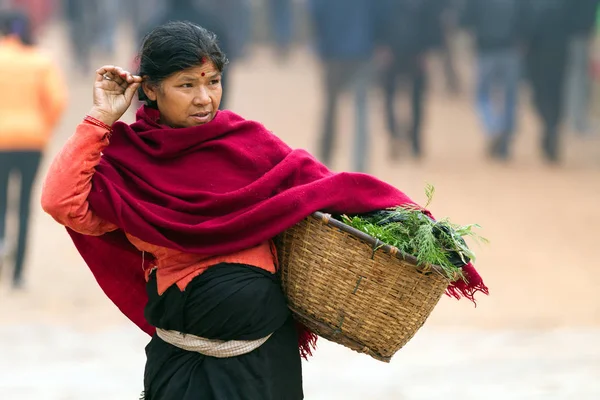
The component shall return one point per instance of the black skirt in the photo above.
(227, 302)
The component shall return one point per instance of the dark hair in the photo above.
(173, 47)
(16, 23)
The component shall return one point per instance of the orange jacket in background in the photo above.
(32, 97)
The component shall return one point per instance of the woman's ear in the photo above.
(150, 90)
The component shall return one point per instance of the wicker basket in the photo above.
(348, 288)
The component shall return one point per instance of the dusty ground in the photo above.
(535, 336)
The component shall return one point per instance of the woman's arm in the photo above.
(69, 181)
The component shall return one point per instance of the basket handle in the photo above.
(327, 219)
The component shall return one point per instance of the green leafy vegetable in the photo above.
(412, 232)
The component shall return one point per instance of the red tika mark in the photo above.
(203, 73)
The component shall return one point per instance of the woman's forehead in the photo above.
(207, 68)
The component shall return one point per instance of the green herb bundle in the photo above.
(432, 242)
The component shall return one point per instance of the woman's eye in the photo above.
(215, 81)
(186, 85)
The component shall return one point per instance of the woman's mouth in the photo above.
(202, 117)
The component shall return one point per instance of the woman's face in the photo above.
(188, 98)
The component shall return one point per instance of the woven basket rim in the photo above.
(374, 242)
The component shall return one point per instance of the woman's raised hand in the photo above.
(114, 89)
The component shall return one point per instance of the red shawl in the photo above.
(211, 190)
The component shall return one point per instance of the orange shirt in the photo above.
(33, 96)
(64, 197)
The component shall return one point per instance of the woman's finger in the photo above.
(121, 77)
(131, 90)
(116, 78)
(118, 75)
(113, 72)
(126, 75)
(120, 81)
(100, 74)
(105, 69)
(107, 78)
(121, 73)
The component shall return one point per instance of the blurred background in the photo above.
(494, 102)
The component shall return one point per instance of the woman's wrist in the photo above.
(102, 117)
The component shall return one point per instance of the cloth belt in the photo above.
(210, 347)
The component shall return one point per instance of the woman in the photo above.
(32, 105)
(188, 199)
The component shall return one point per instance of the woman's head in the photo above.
(16, 23)
(181, 64)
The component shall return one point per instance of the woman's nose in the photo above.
(202, 97)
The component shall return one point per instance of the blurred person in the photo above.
(548, 31)
(39, 12)
(33, 103)
(108, 17)
(407, 33)
(345, 34)
(498, 29)
(584, 13)
(82, 29)
(137, 16)
(92, 27)
(202, 14)
(174, 215)
(281, 22)
(444, 33)
(237, 17)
